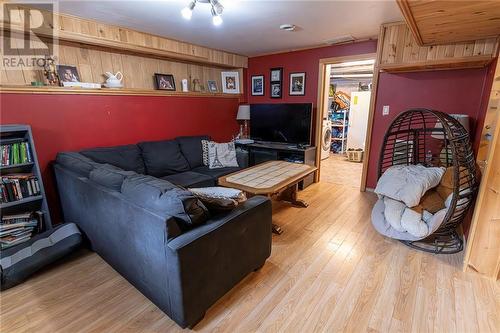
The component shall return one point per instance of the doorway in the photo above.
(345, 107)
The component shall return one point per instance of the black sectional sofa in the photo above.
(159, 236)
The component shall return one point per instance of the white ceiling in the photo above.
(250, 27)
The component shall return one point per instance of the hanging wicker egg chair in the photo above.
(433, 138)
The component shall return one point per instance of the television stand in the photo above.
(260, 152)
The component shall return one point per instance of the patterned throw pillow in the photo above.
(204, 148)
(221, 155)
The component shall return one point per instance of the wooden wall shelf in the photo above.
(95, 48)
(89, 32)
(456, 63)
(108, 91)
(400, 52)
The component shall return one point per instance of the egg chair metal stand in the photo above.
(434, 138)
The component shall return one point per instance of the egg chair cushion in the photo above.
(383, 227)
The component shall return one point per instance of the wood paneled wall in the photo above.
(400, 52)
(138, 70)
(75, 29)
(483, 247)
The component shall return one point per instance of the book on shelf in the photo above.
(15, 153)
(17, 186)
(19, 228)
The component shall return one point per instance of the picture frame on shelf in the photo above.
(297, 84)
(230, 82)
(212, 86)
(258, 85)
(164, 82)
(67, 73)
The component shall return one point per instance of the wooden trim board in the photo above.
(371, 114)
(320, 108)
(410, 21)
(482, 254)
(108, 91)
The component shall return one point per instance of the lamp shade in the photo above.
(243, 112)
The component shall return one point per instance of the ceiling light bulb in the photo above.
(187, 12)
(216, 19)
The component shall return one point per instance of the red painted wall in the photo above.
(73, 122)
(452, 91)
(299, 61)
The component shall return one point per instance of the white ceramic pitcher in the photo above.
(114, 80)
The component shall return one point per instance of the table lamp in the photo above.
(244, 115)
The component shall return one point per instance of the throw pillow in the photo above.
(221, 155)
(219, 198)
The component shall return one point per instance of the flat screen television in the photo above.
(281, 123)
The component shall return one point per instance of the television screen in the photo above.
(283, 123)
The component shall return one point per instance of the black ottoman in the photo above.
(19, 262)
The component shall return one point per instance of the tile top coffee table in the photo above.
(278, 179)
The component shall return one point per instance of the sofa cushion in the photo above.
(110, 176)
(76, 162)
(125, 157)
(163, 158)
(190, 179)
(192, 150)
(215, 173)
(164, 197)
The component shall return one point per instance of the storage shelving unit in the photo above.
(343, 127)
(20, 133)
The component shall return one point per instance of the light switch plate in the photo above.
(385, 110)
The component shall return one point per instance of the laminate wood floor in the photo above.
(336, 169)
(329, 271)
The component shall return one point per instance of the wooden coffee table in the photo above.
(274, 179)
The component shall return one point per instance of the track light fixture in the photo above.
(215, 6)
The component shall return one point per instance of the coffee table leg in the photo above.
(290, 195)
(277, 229)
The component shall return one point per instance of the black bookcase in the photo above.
(19, 133)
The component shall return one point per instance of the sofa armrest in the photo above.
(131, 238)
(257, 206)
(206, 262)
